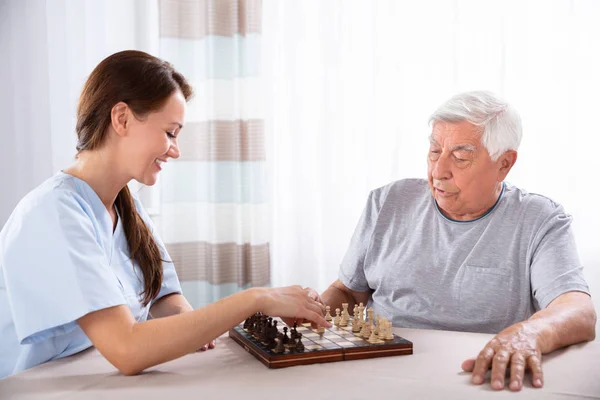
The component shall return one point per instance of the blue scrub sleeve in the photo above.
(55, 269)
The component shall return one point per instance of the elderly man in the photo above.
(466, 251)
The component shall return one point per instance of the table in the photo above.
(228, 372)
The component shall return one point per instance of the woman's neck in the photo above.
(98, 170)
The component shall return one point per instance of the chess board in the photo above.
(335, 344)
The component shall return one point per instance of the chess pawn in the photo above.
(390, 334)
(285, 338)
(365, 331)
(320, 329)
(336, 320)
(356, 322)
(373, 337)
(299, 344)
(279, 347)
(328, 314)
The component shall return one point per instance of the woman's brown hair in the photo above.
(144, 83)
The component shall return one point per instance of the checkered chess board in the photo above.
(334, 344)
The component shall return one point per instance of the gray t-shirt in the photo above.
(427, 271)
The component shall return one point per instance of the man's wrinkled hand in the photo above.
(516, 347)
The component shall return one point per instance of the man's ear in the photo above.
(119, 118)
(506, 162)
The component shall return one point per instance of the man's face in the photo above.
(462, 177)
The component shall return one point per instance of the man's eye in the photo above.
(170, 135)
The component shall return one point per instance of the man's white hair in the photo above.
(500, 124)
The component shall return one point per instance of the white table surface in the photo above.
(228, 372)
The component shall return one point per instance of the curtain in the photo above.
(211, 210)
(349, 87)
(49, 48)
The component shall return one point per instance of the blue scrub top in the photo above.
(60, 260)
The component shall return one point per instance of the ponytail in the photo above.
(141, 243)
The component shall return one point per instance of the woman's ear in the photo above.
(119, 118)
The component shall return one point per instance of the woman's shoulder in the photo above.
(57, 192)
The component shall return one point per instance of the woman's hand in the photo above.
(294, 304)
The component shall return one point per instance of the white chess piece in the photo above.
(390, 334)
(373, 337)
(336, 320)
(328, 314)
(365, 331)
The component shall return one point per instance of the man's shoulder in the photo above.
(530, 201)
(404, 188)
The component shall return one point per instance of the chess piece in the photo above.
(373, 337)
(293, 332)
(299, 344)
(279, 347)
(320, 329)
(328, 317)
(370, 316)
(285, 338)
(365, 332)
(336, 320)
(345, 315)
(356, 321)
(390, 334)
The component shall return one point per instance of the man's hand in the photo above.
(517, 347)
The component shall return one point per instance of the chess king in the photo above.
(466, 251)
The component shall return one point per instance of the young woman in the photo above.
(80, 264)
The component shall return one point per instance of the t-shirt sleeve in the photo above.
(170, 283)
(352, 269)
(55, 268)
(555, 266)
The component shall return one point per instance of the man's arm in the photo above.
(567, 320)
(338, 293)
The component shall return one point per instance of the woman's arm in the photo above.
(132, 347)
(171, 304)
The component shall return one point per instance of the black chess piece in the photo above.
(299, 344)
(293, 333)
(286, 339)
(279, 347)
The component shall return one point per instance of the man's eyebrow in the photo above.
(433, 141)
(464, 147)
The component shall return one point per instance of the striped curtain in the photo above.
(213, 215)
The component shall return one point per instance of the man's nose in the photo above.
(441, 168)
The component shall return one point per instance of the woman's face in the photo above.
(153, 139)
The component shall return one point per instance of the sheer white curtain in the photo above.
(49, 48)
(351, 85)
